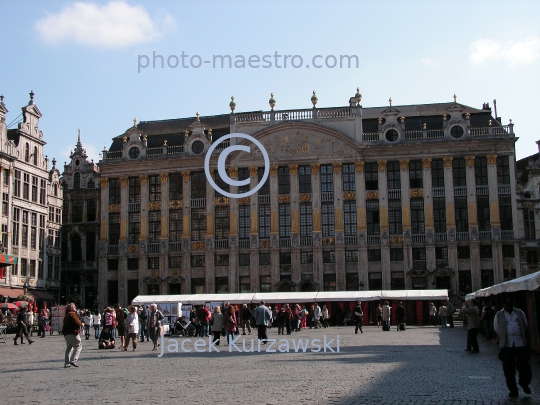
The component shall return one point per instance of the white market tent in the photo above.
(293, 297)
(529, 282)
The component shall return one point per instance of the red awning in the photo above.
(11, 292)
(42, 295)
(8, 260)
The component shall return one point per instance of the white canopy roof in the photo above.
(529, 282)
(415, 295)
(348, 296)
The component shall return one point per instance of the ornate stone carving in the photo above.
(284, 198)
(382, 165)
(426, 163)
(104, 181)
(253, 171)
(198, 246)
(469, 161)
(144, 179)
(114, 207)
(396, 239)
(491, 159)
(337, 167)
(176, 204)
(328, 242)
(349, 195)
(274, 170)
(154, 205)
(154, 273)
(233, 172)
(221, 201)
(123, 181)
(417, 193)
(315, 168)
(293, 169)
(175, 272)
(133, 249)
(186, 176)
(359, 166)
(528, 205)
(404, 164)
(164, 177)
(372, 195)
(265, 243)
(447, 161)
(244, 201)
(305, 197)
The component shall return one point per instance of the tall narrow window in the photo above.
(77, 180)
(415, 174)
(437, 173)
(459, 172)
(198, 185)
(154, 226)
(417, 216)
(221, 184)
(33, 230)
(328, 219)
(76, 210)
(198, 223)
(42, 191)
(349, 218)
(26, 186)
(114, 191)
(34, 189)
(265, 189)
(223, 222)
(482, 212)
(134, 227)
(175, 186)
(24, 229)
(243, 174)
(503, 170)
(372, 214)
(114, 228)
(481, 171)
(304, 179)
(371, 172)
(393, 176)
(17, 183)
(90, 246)
(462, 216)
(244, 221)
(27, 153)
(175, 225)
(505, 212)
(90, 185)
(394, 217)
(91, 209)
(284, 180)
(306, 220)
(348, 173)
(154, 188)
(439, 214)
(5, 204)
(264, 221)
(16, 224)
(530, 229)
(327, 179)
(284, 220)
(35, 156)
(134, 185)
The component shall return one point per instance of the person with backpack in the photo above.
(358, 315)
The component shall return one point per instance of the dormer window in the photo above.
(77, 180)
(91, 184)
(77, 162)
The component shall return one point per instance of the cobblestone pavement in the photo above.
(423, 365)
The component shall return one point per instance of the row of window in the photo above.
(27, 187)
(77, 182)
(25, 229)
(77, 211)
(28, 268)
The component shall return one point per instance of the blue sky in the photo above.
(81, 59)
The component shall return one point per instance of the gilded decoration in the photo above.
(114, 207)
(337, 167)
(264, 243)
(417, 193)
(123, 181)
(528, 205)
(396, 239)
(359, 166)
(186, 176)
(447, 161)
(467, 116)
(382, 165)
(133, 249)
(253, 171)
(315, 168)
(491, 159)
(176, 204)
(220, 201)
(154, 205)
(349, 195)
(144, 179)
(284, 198)
(175, 273)
(293, 169)
(328, 241)
(305, 197)
(197, 246)
(274, 170)
(426, 163)
(154, 273)
(244, 201)
(104, 182)
(404, 164)
(233, 172)
(469, 161)
(164, 177)
(372, 195)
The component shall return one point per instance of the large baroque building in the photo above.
(31, 208)
(396, 197)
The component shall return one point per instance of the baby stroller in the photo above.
(181, 327)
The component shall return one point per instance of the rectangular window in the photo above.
(464, 282)
(175, 225)
(58, 215)
(505, 212)
(374, 255)
(463, 252)
(394, 217)
(244, 221)
(198, 223)
(481, 171)
(265, 189)
(175, 262)
(306, 257)
(459, 172)
(154, 226)
(43, 186)
(24, 267)
(393, 176)
(221, 260)
(437, 173)
(397, 280)
(329, 256)
(503, 170)
(375, 281)
(222, 285)
(327, 179)
(244, 259)
(328, 219)
(285, 258)
(57, 269)
(284, 180)
(351, 256)
(77, 210)
(304, 179)
(24, 229)
(264, 259)
(134, 189)
(221, 184)
(198, 185)
(531, 256)
(486, 252)
(264, 221)
(198, 286)
(417, 216)
(348, 174)
(5, 204)
(153, 263)
(4, 236)
(223, 222)
(349, 218)
(372, 214)
(114, 228)
(17, 184)
(245, 284)
(154, 188)
(16, 220)
(265, 283)
(530, 229)
(6, 177)
(114, 191)
(112, 264)
(40, 269)
(243, 174)
(306, 220)
(32, 268)
(508, 251)
(26, 186)
(34, 189)
(486, 278)
(175, 186)
(419, 254)
(197, 260)
(134, 227)
(91, 210)
(396, 255)
(439, 214)
(329, 281)
(415, 174)
(284, 220)
(482, 212)
(371, 173)
(351, 282)
(441, 253)
(462, 215)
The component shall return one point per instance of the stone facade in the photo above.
(397, 197)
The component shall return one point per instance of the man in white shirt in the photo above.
(511, 325)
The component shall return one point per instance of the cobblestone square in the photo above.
(423, 365)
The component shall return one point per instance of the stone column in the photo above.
(383, 218)
(274, 225)
(186, 231)
(233, 235)
(361, 224)
(406, 219)
(295, 225)
(164, 231)
(473, 223)
(122, 241)
(495, 220)
(451, 220)
(429, 222)
(210, 237)
(318, 266)
(254, 230)
(339, 227)
(103, 245)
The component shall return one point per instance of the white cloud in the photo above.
(514, 53)
(429, 62)
(114, 25)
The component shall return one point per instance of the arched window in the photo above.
(55, 190)
(35, 156)
(91, 184)
(27, 153)
(77, 180)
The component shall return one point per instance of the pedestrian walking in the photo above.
(155, 318)
(400, 316)
(473, 324)
(262, 314)
(204, 317)
(451, 310)
(120, 324)
(132, 326)
(296, 318)
(217, 324)
(511, 325)
(280, 316)
(22, 328)
(96, 322)
(358, 317)
(230, 323)
(432, 314)
(317, 316)
(379, 316)
(143, 316)
(70, 330)
(42, 323)
(246, 319)
(443, 313)
(386, 312)
(87, 321)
